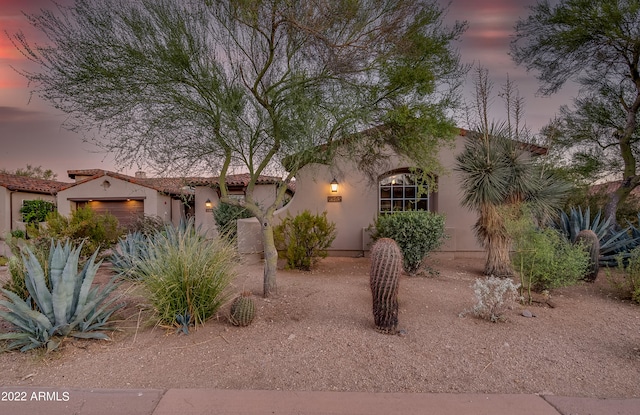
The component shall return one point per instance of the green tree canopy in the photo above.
(595, 43)
(37, 172)
(239, 85)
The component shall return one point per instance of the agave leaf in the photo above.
(90, 335)
(62, 294)
(88, 274)
(21, 309)
(36, 284)
(58, 255)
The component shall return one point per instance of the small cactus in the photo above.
(243, 310)
(591, 243)
(386, 265)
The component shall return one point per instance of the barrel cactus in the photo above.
(386, 265)
(243, 310)
(591, 243)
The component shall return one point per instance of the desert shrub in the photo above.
(3, 260)
(146, 224)
(62, 301)
(40, 248)
(303, 239)
(186, 274)
(544, 258)
(85, 226)
(416, 232)
(226, 216)
(34, 211)
(629, 284)
(18, 233)
(494, 297)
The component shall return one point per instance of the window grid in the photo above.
(399, 192)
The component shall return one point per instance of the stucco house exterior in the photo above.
(357, 201)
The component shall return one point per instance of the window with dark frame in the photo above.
(401, 192)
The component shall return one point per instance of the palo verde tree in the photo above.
(241, 85)
(595, 43)
(499, 173)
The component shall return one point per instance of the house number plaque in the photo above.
(334, 198)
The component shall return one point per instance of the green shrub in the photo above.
(17, 269)
(226, 216)
(18, 233)
(67, 305)
(416, 232)
(629, 284)
(186, 274)
(85, 226)
(304, 239)
(35, 211)
(544, 258)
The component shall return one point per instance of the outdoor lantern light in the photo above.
(208, 204)
(334, 186)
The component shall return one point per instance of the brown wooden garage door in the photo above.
(126, 211)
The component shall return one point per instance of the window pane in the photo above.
(397, 206)
(423, 204)
(385, 192)
(397, 192)
(410, 192)
(385, 206)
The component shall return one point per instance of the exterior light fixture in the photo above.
(208, 204)
(334, 186)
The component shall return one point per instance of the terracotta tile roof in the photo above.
(29, 184)
(173, 186)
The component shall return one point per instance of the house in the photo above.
(353, 202)
(127, 197)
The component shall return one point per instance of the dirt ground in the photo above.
(317, 334)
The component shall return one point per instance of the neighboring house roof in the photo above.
(29, 184)
(168, 185)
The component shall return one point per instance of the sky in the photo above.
(31, 130)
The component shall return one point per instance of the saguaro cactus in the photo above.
(386, 265)
(591, 243)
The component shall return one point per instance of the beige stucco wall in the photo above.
(155, 204)
(264, 195)
(10, 204)
(359, 206)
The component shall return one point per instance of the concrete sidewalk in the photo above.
(28, 401)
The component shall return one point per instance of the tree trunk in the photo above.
(498, 259)
(270, 259)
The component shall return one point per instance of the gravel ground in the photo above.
(317, 334)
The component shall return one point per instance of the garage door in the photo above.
(126, 211)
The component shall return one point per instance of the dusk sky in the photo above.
(31, 132)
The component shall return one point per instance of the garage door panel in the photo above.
(126, 211)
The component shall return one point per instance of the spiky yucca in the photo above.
(386, 265)
(243, 310)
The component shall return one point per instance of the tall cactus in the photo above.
(386, 265)
(592, 244)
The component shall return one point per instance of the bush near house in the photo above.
(226, 216)
(416, 232)
(544, 258)
(35, 211)
(97, 231)
(627, 282)
(303, 239)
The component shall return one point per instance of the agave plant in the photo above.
(613, 243)
(128, 253)
(67, 306)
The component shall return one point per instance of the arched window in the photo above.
(401, 191)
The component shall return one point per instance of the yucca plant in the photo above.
(68, 306)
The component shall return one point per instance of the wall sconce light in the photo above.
(334, 186)
(208, 204)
